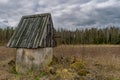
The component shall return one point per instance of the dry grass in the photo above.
(103, 61)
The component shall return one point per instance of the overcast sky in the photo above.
(65, 13)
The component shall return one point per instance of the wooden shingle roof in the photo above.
(31, 31)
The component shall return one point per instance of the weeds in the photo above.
(98, 63)
(13, 70)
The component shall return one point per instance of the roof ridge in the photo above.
(36, 15)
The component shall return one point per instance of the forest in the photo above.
(109, 35)
(5, 34)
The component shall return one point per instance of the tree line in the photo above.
(109, 35)
(5, 34)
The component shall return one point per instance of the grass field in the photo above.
(96, 62)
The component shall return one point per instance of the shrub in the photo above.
(80, 68)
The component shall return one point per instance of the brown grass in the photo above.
(103, 61)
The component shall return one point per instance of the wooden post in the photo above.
(33, 59)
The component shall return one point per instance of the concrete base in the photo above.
(33, 59)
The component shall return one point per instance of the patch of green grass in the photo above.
(43, 74)
(13, 70)
(36, 78)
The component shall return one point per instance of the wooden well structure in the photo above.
(34, 42)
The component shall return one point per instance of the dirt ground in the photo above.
(102, 61)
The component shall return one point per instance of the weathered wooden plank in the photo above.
(20, 39)
(40, 39)
(39, 33)
(17, 36)
(33, 39)
(31, 31)
(28, 31)
(33, 34)
(39, 28)
(18, 32)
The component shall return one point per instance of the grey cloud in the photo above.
(14, 9)
(65, 13)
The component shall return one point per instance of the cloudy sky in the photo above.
(65, 13)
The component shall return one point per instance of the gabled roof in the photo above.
(30, 30)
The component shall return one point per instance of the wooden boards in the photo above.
(33, 32)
